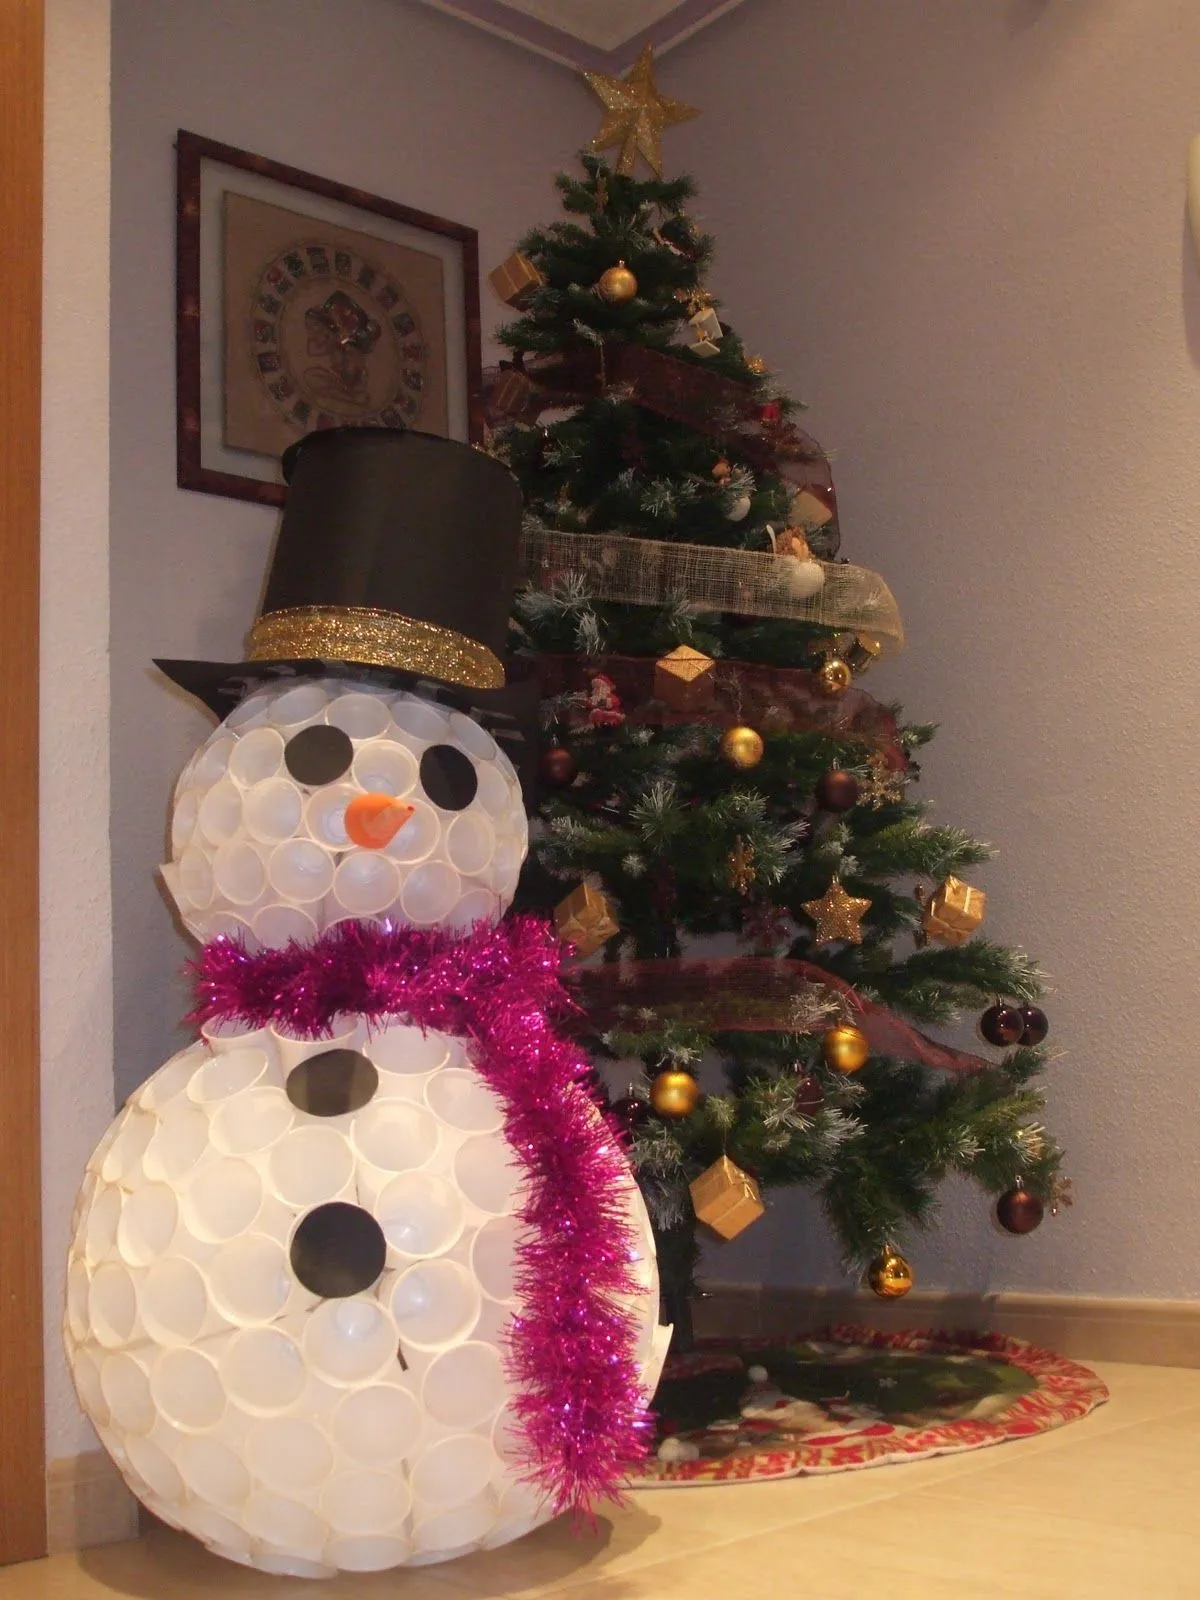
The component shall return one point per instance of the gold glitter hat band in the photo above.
(375, 638)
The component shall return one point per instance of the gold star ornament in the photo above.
(837, 915)
(636, 114)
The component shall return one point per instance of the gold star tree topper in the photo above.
(837, 915)
(636, 114)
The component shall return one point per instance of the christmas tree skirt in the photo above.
(851, 1397)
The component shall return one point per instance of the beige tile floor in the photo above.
(1106, 1507)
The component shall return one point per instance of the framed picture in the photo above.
(303, 304)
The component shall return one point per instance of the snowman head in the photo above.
(323, 799)
(350, 777)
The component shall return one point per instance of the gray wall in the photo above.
(958, 230)
(383, 94)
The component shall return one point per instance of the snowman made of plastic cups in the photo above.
(295, 1260)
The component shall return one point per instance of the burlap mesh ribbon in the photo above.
(651, 572)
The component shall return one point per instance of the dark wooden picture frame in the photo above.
(193, 151)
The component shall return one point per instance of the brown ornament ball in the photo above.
(810, 1096)
(837, 790)
(1037, 1025)
(890, 1276)
(1018, 1211)
(630, 1112)
(845, 1048)
(674, 1093)
(742, 747)
(1002, 1025)
(617, 285)
(835, 676)
(557, 767)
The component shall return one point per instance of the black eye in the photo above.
(338, 1250)
(448, 777)
(332, 1083)
(318, 755)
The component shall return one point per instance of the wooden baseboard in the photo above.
(87, 1503)
(1161, 1333)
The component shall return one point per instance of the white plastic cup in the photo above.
(263, 1370)
(419, 837)
(184, 812)
(257, 756)
(473, 737)
(290, 1454)
(125, 1384)
(350, 1342)
(407, 1051)
(423, 722)
(377, 1552)
(222, 1200)
(494, 794)
(395, 1135)
(147, 1225)
(458, 1529)
(486, 1170)
(377, 1426)
(434, 1304)
(383, 766)
(272, 809)
(288, 1525)
(494, 1258)
(420, 1214)
(251, 1121)
(250, 711)
(278, 925)
(430, 893)
(154, 1466)
(213, 1472)
(187, 1392)
(365, 883)
(174, 1302)
(223, 925)
(100, 1229)
(212, 759)
(250, 1280)
(460, 1097)
(365, 1503)
(470, 843)
(194, 880)
(477, 905)
(228, 1072)
(178, 1143)
(451, 1472)
(325, 814)
(305, 703)
(465, 1385)
(362, 716)
(220, 815)
(311, 1165)
(222, 1037)
(300, 871)
(112, 1305)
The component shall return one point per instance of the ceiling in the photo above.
(599, 35)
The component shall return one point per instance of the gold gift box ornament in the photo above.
(954, 911)
(683, 679)
(585, 919)
(726, 1199)
(515, 280)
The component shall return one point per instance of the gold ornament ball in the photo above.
(845, 1048)
(835, 676)
(742, 747)
(674, 1094)
(617, 285)
(890, 1276)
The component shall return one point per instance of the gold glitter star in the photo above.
(636, 114)
(837, 915)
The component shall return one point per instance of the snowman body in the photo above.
(295, 1260)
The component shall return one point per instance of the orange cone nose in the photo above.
(374, 820)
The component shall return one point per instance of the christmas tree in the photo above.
(711, 766)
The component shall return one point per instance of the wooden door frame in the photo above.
(22, 1377)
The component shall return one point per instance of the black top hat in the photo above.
(396, 561)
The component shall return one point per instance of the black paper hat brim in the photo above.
(510, 714)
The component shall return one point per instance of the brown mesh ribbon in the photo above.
(680, 390)
(771, 699)
(746, 994)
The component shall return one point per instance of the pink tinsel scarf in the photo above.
(571, 1349)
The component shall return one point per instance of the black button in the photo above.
(448, 777)
(332, 1083)
(318, 754)
(338, 1250)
